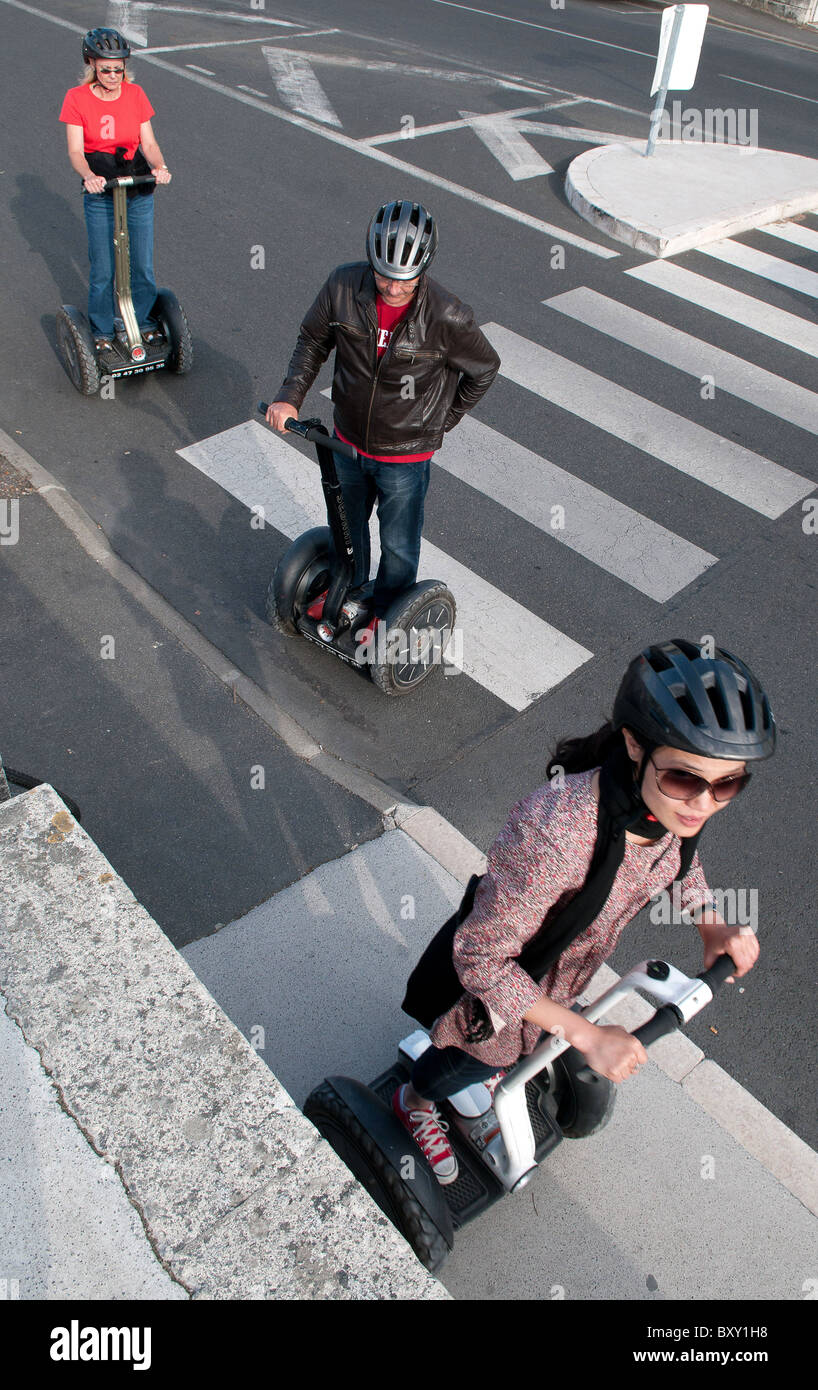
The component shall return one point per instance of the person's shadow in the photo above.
(54, 230)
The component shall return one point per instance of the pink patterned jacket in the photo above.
(538, 862)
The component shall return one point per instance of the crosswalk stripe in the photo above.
(732, 374)
(772, 268)
(795, 232)
(611, 535)
(505, 648)
(729, 468)
(730, 304)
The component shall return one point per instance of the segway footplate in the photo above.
(475, 1188)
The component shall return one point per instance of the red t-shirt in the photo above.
(389, 316)
(108, 124)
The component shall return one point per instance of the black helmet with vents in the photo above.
(674, 696)
(104, 43)
(401, 240)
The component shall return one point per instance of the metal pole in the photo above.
(661, 95)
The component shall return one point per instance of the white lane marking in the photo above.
(778, 90)
(731, 374)
(503, 138)
(617, 539)
(297, 85)
(251, 90)
(740, 474)
(444, 126)
(207, 72)
(549, 28)
(772, 268)
(795, 232)
(730, 304)
(237, 43)
(506, 649)
(333, 60)
(560, 234)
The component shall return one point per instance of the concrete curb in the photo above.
(786, 1157)
(238, 1194)
(605, 185)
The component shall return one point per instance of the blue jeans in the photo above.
(400, 490)
(99, 220)
(443, 1071)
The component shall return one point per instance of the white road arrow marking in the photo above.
(130, 17)
(298, 87)
(502, 136)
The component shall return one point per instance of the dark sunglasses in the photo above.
(686, 786)
(116, 71)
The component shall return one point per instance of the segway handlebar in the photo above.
(315, 432)
(127, 181)
(668, 1018)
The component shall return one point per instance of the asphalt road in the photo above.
(267, 152)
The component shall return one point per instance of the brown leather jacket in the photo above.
(437, 347)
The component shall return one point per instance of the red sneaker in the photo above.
(429, 1133)
(316, 608)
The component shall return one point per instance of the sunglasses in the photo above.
(686, 786)
(112, 72)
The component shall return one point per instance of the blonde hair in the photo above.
(90, 71)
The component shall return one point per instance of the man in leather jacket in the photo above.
(409, 362)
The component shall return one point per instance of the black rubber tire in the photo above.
(299, 578)
(343, 1131)
(75, 343)
(24, 783)
(432, 597)
(169, 313)
(585, 1106)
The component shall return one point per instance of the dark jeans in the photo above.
(400, 491)
(99, 221)
(443, 1071)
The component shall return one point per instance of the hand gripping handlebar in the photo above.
(315, 432)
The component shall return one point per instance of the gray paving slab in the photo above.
(211, 1150)
(67, 1227)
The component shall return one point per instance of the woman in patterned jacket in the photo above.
(614, 824)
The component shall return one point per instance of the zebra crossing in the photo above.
(512, 652)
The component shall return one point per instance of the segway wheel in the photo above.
(414, 633)
(302, 573)
(585, 1106)
(75, 342)
(334, 1120)
(169, 313)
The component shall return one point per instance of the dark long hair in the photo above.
(581, 754)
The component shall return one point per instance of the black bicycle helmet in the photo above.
(673, 696)
(401, 240)
(104, 43)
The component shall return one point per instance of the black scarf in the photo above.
(434, 986)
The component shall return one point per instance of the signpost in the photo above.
(680, 44)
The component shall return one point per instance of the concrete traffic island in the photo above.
(237, 1194)
(688, 192)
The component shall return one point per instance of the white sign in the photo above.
(685, 58)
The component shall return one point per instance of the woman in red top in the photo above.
(109, 132)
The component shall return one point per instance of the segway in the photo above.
(550, 1095)
(129, 355)
(308, 593)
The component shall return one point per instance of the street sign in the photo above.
(684, 59)
(680, 44)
